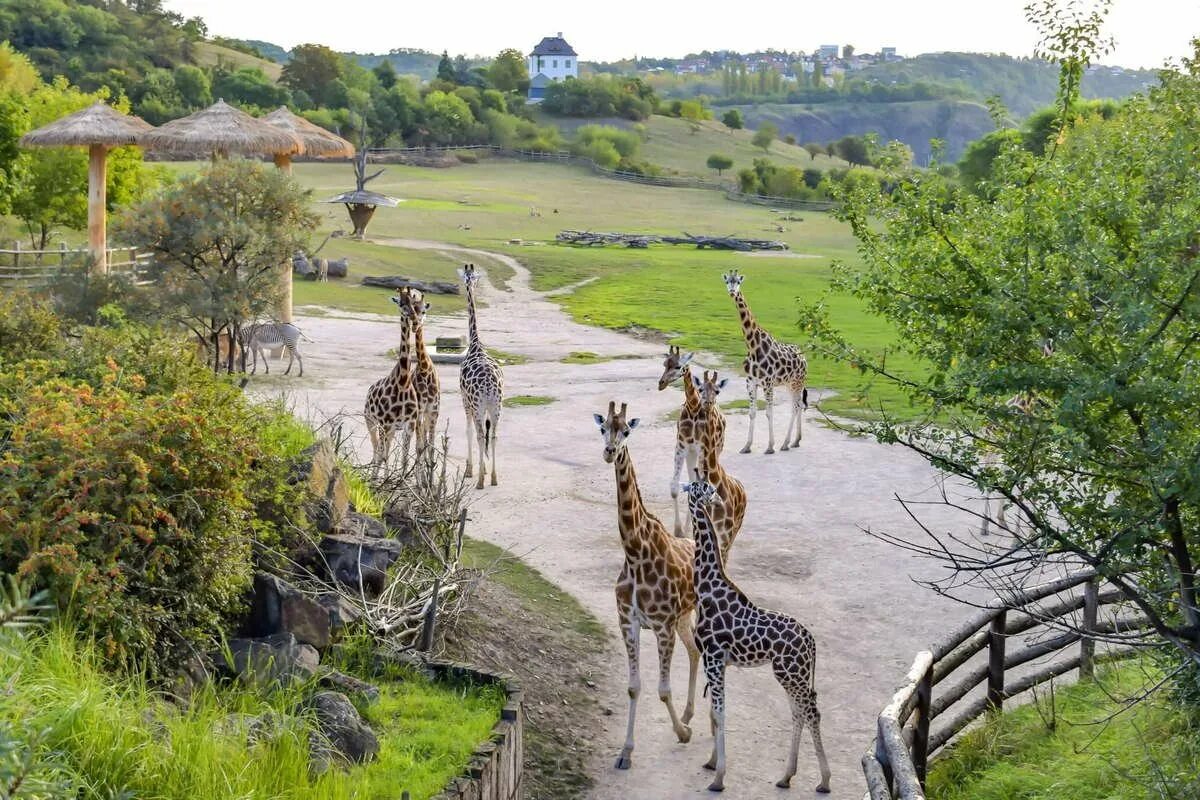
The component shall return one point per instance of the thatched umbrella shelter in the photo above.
(221, 131)
(317, 142)
(99, 128)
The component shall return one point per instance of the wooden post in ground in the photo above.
(1087, 644)
(97, 215)
(283, 162)
(427, 630)
(920, 742)
(995, 678)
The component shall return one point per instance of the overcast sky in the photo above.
(1146, 31)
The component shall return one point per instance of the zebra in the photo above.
(262, 336)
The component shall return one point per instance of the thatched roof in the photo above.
(317, 141)
(96, 124)
(362, 197)
(221, 128)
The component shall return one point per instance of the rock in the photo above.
(319, 470)
(273, 659)
(360, 562)
(189, 676)
(356, 524)
(400, 282)
(279, 607)
(339, 267)
(301, 265)
(342, 611)
(250, 728)
(350, 685)
(401, 525)
(341, 734)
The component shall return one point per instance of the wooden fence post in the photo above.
(995, 679)
(881, 756)
(920, 742)
(16, 255)
(1087, 644)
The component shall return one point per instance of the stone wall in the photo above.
(496, 768)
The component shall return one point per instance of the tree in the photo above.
(249, 86)
(313, 69)
(853, 149)
(193, 86)
(733, 119)
(509, 72)
(847, 51)
(692, 112)
(814, 150)
(1056, 324)
(975, 166)
(220, 239)
(766, 133)
(812, 177)
(385, 73)
(719, 162)
(445, 69)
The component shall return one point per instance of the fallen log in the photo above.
(725, 242)
(600, 239)
(400, 282)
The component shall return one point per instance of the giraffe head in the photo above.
(401, 298)
(615, 430)
(416, 306)
(709, 387)
(673, 367)
(733, 282)
(700, 492)
(470, 276)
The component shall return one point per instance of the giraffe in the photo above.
(730, 629)
(655, 586)
(392, 400)
(727, 516)
(482, 385)
(691, 418)
(424, 374)
(769, 363)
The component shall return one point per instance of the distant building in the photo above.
(551, 61)
(888, 54)
(827, 52)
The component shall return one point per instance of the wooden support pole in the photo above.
(996, 639)
(97, 195)
(1087, 646)
(920, 742)
(283, 162)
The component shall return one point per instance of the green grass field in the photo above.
(1097, 750)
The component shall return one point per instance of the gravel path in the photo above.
(801, 550)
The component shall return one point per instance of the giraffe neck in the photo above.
(691, 398)
(750, 329)
(630, 510)
(708, 565)
(709, 456)
(422, 357)
(473, 342)
(402, 372)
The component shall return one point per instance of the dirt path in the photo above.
(801, 549)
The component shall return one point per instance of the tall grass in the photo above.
(117, 738)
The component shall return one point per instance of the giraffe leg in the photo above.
(492, 447)
(752, 392)
(769, 399)
(470, 450)
(794, 678)
(714, 672)
(787, 436)
(793, 419)
(480, 442)
(686, 628)
(666, 650)
(675, 486)
(798, 402)
(631, 632)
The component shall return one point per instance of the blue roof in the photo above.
(553, 46)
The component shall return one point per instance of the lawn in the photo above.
(1097, 750)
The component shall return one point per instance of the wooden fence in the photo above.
(20, 266)
(905, 738)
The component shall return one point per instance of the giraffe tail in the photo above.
(804, 396)
(487, 435)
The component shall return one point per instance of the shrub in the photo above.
(28, 327)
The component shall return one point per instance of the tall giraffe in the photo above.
(392, 400)
(730, 629)
(769, 363)
(691, 420)
(424, 374)
(728, 515)
(655, 585)
(482, 385)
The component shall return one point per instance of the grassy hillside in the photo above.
(209, 54)
(955, 122)
(671, 144)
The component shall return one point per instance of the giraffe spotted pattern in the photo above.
(481, 383)
(692, 419)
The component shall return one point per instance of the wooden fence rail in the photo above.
(895, 765)
(21, 266)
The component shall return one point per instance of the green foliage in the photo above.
(28, 327)
(608, 146)
(445, 68)
(509, 73)
(221, 238)
(600, 96)
(315, 70)
(733, 119)
(854, 149)
(975, 166)
(719, 162)
(249, 87)
(522, 400)
(814, 149)
(767, 133)
(1077, 288)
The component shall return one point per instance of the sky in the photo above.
(1146, 31)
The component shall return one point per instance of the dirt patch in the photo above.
(524, 625)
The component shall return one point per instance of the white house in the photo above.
(552, 60)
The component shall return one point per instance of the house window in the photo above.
(567, 63)
(555, 63)
(541, 64)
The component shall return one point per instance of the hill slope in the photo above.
(210, 54)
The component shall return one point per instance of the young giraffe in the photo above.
(691, 420)
(392, 400)
(769, 363)
(732, 630)
(482, 385)
(727, 516)
(424, 374)
(655, 586)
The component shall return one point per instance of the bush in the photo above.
(28, 327)
(133, 486)
(733, 119)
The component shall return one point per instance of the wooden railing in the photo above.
(20, 266)
(905, 737)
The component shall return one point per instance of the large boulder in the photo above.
(272, 659)
(357, 524)
(341, 610)
(318, 469)
(279, 607)
(342, 736)
(360, 562)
